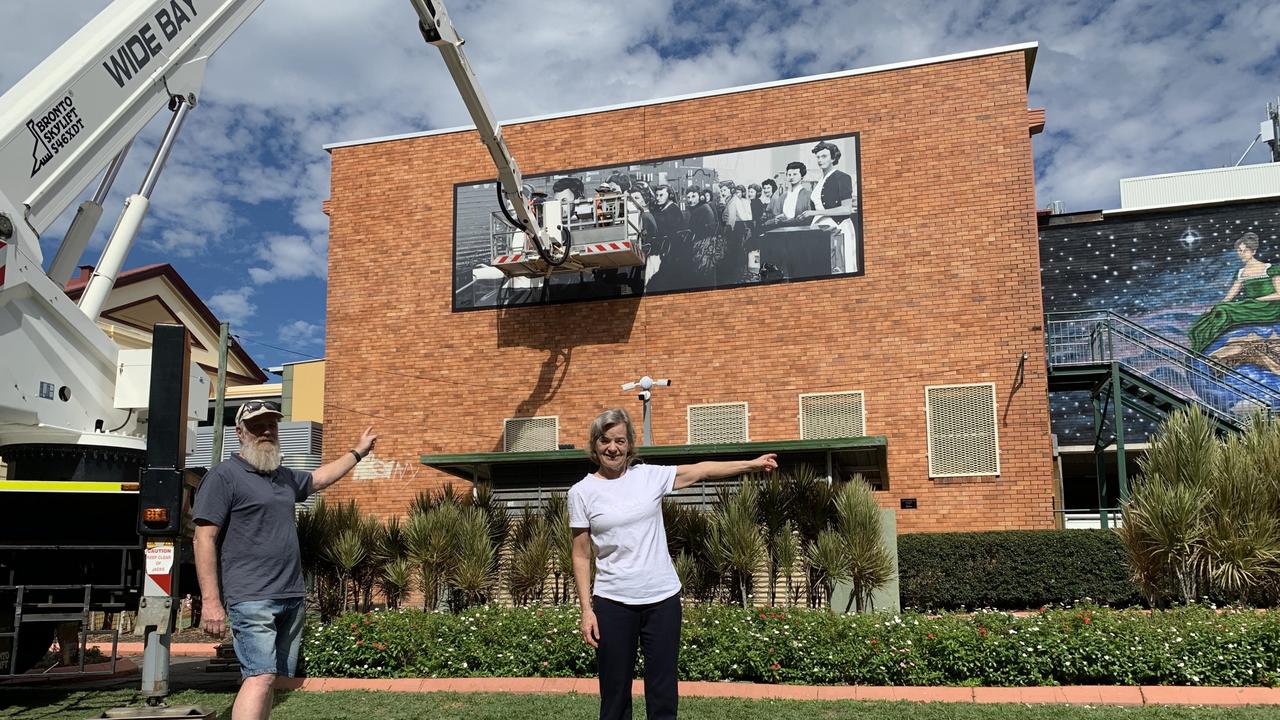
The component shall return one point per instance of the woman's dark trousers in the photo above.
(655, 629)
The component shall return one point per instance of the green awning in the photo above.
(869, 451)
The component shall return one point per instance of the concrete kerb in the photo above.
(1064, 695)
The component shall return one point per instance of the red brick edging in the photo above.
(1071, 694)
(1074, 695)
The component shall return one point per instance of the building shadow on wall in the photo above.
(557, 330)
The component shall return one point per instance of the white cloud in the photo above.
(300, 333)
(233, 306)
(181, 242)
(290, 257)
(1130, 87)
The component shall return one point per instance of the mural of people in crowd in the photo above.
(704, 222)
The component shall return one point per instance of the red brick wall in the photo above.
(951, 292)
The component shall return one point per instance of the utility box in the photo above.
(886, 598)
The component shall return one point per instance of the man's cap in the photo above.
(256, 408)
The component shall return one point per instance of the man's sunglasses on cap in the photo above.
(254, 408)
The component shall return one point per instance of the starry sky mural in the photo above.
(1162, 270)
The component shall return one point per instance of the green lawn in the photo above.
(81, 704)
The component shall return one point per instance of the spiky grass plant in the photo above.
(474, 570)
(737, 543)
(868, 562)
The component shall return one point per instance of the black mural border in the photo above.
(453, 264)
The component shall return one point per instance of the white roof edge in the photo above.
(1201, 171)
(1026, 47)
(1195, 204)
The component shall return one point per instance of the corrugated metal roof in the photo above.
(1199, 187)
(481, 465)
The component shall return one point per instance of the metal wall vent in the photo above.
(961, 421)
(528, 434)
(832, 415)
(718, 423)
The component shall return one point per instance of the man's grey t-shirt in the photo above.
(258, 557)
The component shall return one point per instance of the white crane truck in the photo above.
(94, 505)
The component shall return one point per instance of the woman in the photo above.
(636, 599)
(641, 202)
(735, 230)
(831, 204)
(759, 203)
(1260, 283)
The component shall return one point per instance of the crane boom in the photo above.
(65, 121)
(437, 29)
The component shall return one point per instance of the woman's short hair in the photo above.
(1248, 240)
(769, 183)
(824, 145)
(622, 180)
(605, 422)
(571, 184)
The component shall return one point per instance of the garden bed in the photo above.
(1073, 646)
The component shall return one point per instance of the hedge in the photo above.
(1084, 645)
(1014, 570)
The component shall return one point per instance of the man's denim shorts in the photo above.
(267, 635)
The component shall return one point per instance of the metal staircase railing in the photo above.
(1102, 337)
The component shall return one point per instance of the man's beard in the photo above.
(263, 454)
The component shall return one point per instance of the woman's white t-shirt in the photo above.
(625, 520)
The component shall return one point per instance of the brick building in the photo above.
(931, 331)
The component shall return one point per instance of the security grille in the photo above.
(961, 422)
(832, 415)
(308, 463)
(299, 438)
(527, 434)
(718, 423)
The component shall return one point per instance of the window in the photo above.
(961, 422)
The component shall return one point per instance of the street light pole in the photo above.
(646, 385)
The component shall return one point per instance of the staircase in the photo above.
(1109, 354)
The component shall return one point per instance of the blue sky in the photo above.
(1130, 88)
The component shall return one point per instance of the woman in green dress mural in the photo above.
(1260, 304)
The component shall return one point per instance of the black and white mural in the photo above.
(767, 214)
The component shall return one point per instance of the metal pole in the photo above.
(1246, 150)
(220, 393)
(135, 210)
(180, 107)
(1118, 406)
(648, 425)
(86, 220)
(1098, 459)
(1273, 111)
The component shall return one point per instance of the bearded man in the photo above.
(247, 557)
